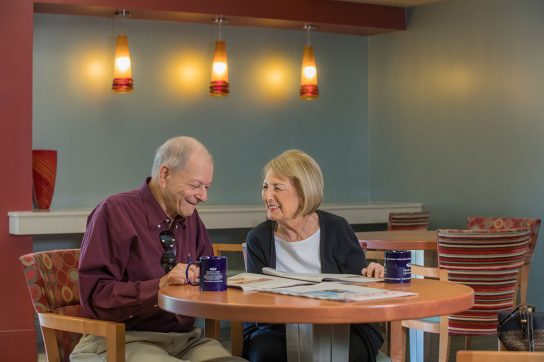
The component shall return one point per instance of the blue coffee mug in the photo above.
(213, 273)
(397, 266)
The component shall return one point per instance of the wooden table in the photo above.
(318, 330)
(400, 240)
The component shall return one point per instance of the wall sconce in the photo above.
(308, 77)
(219, 85)
(122, 70)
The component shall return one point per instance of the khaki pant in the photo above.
(156, 347)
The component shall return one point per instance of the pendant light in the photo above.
(308, 77)
(122, 71)
(219, 85)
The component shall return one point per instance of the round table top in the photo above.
(400, 239)
(434, 298)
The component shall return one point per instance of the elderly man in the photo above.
(139, 241)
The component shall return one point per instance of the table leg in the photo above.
(417, 337)
(319, 342)
(397, 342)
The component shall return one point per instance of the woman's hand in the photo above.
(176, 276)
(373, 270)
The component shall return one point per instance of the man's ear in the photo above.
(164, 175)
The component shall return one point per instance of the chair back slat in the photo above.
(489, 262)
(52, 280)
(409, 220)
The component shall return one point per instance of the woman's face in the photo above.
(280, 197)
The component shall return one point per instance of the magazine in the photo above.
(318, 278)
(339, 292)
(252, 281)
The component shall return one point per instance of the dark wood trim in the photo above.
(328, 16)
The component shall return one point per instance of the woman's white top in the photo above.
(298, 256)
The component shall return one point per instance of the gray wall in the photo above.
(457, 113)
(106, 141)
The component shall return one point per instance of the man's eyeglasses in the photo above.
(168, 259)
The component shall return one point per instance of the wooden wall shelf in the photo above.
(214, 216)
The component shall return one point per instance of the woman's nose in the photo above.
(267, 194)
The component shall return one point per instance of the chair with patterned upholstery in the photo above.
(52, 280)
(498, 223)
(408, 220)
(488, 261)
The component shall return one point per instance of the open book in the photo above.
(318, 278)
(273, 278)
(252, 281)
(338, 291)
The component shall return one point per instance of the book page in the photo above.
(317, 278)
(252, 281)
(339, 292)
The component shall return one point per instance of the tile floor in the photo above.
(457, 343)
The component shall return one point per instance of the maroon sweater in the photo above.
(120, 265)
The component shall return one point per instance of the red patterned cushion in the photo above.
(498, 223)
(408, 220)
(52, 281)
(488, 261)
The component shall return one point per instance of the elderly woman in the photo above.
(297, 237)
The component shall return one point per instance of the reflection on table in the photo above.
(318, 330)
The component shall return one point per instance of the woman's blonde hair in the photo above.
(305, 174)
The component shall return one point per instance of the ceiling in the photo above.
(400, 3)
(360, 17)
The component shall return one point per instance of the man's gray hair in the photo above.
(175, 152)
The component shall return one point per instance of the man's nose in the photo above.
(202, 194)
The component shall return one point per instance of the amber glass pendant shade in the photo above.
(122, 71)
(308, 77)
(219, 86)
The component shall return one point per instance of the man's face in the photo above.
(186, 188)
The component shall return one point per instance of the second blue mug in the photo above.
(397, 266)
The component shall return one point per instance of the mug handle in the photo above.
(187, 273)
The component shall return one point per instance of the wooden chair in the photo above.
(52, 280)
(499, 356)
(212, 327)
(489, 262)
(432, 325)
(373, 255)
(409, 220)
(498, 223)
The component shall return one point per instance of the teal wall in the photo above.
(106, 141)
(457, 113)
(455, 109)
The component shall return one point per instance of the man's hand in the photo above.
(373, 270)
(176, 276)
